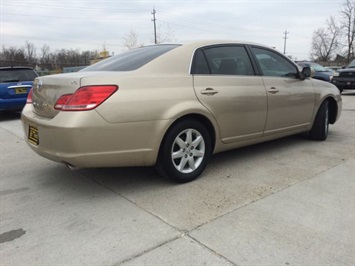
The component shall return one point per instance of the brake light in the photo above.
(62, 101)
(29, 96)
(85, 98)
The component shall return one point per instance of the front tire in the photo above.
(320, 127)
(185, 151)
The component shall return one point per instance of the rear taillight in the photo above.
(62, 101)
(85, 98)
(29, 96)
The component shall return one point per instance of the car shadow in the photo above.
(87, 183)
(129, 182)
(145, 178)
(8, 116)
(348, 93)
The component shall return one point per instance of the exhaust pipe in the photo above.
(71, 167)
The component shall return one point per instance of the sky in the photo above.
(94, 24)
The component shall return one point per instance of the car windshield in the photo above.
(352, 64)
(131, 60)
(318, 67)
(16, 75)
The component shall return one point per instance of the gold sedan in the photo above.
(173, 106)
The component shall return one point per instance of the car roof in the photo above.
(193, 45)
(202, 43)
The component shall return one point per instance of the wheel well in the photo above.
(205, 121)
(333, 110)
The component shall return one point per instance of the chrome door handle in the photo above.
(209, 91)
(273, 90)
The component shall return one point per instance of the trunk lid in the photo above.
(48, 89)
(13, 90)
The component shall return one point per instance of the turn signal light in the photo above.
(85, 98)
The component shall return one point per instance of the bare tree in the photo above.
(26, 56)
(46, 57)
(45, 50)
(13, 56)
(87, 56)
(30, 52)
(130, 40)
(325, 41)
(348, 26)
(165, 35)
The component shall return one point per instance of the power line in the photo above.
(188, 20)
(81, 9)
(66, 17)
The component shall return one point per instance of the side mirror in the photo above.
(308, 72)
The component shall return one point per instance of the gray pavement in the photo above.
(285, 202)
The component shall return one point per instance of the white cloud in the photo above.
(89, 24)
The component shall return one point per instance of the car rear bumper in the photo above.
(85, 139)
(12, 104)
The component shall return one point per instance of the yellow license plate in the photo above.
(20, 90)
(33, 135)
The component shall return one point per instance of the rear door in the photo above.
(291, 100)
(226, 84)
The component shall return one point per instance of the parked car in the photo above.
(15, 83)
(321, 73)
(334, 69)
(173, 106)
(346, 78)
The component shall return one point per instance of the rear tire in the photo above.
(320, 127)
(185, 151)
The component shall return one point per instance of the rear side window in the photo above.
(222, 60)
(131, 60)
(274, 65)
(16, 75)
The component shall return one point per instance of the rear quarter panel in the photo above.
(144, 98)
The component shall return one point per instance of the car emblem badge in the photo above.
(39, 85)
(19, 84)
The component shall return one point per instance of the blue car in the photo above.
(15, 84)
(321, 73)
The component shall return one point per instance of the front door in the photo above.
(290, 99)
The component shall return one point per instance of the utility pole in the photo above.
(155, 27)
(285, 37)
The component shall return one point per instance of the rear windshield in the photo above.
(16, 75)
(131, 60)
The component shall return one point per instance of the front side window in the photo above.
(274, 65)
(222, 60)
